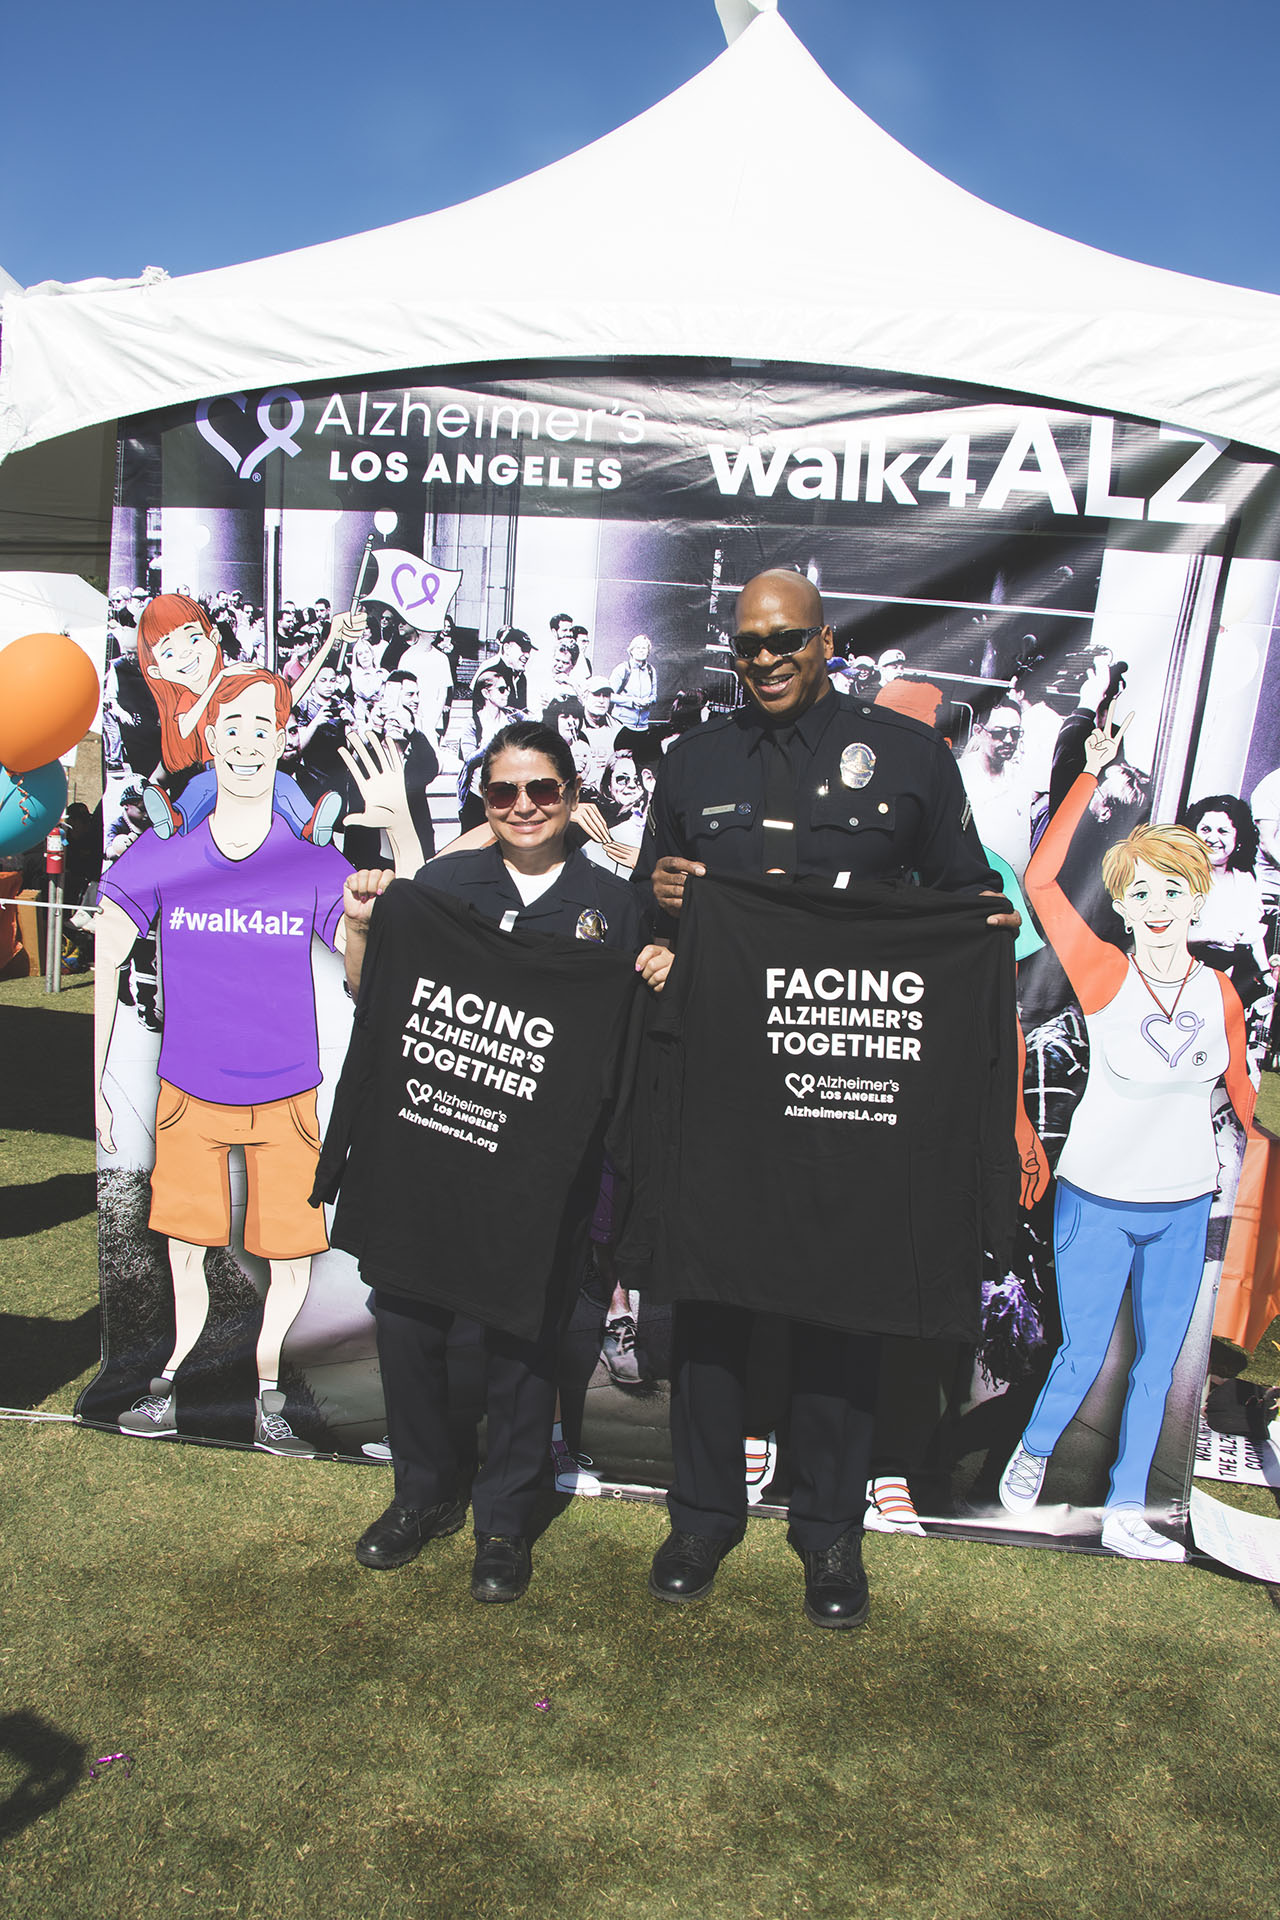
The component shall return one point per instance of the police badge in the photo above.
(857, 764)
(592, 925)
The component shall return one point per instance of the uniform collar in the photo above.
(578, 880)
(485, 869)
(809, 728)
(575, 880)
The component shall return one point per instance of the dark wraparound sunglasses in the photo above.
(502, 795)
(747, 645)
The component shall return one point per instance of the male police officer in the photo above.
(801, 781)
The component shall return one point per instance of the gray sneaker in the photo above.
(1022, 1479)
(618, 1349)
(154, 1416)
(272, 1432)
(1125, 1531)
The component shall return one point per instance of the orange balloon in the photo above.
(48, 699)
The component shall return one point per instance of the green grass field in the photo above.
(1015, 1734)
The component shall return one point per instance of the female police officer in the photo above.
(528, 879)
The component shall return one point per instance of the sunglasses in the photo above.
(747, 645)
(1004, 733)
(502, 795)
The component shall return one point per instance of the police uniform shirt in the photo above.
(581, 890)
(488, 1042)
(875, 795)
(822, 1122)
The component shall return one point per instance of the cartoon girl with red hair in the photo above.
(183, 665)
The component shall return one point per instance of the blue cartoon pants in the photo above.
(198, 798)
(1098, 1246)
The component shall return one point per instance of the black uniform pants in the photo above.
(520, 1399)
(922, 1383)
(833, 1403)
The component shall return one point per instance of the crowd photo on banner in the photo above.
(323, 636)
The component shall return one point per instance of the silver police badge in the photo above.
(857, 764)
(592, 925)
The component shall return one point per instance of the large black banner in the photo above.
(568, 541)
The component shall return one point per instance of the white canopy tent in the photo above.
(54, 603)
(875, 261)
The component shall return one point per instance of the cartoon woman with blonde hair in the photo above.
(183, 665)
(1139, 1167)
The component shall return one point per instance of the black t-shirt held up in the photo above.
(467, 1120)
(822, 1122)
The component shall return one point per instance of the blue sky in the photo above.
(192, 137)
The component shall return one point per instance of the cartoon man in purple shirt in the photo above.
(237, 901)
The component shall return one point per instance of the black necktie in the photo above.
(780, 803)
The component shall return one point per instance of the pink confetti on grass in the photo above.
(543, 1706)
(104, 1760)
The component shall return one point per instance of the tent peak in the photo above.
(737, 15)
(149, 277)
(894, 268)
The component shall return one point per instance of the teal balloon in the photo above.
(31, 805)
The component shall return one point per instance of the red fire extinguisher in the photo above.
(53, 852)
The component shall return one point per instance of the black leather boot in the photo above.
(835, 1586)
(502, 1567)
(684, 1567)
(399, 1535)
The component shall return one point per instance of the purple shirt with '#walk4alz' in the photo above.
(235, 954)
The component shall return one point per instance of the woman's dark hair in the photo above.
(532, 736)
(1244, 854)
(568, 646)
(556, 710)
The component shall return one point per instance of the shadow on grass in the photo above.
(34, 1207)
(52, 1763)
(47, 1084)
(39, 1355)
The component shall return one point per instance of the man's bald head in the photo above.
(783, 643)
(782, 592)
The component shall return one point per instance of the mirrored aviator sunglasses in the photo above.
(502, 795)
(792, 640)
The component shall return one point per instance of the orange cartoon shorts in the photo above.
(191, 1183)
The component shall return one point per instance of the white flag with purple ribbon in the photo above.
(419, 592)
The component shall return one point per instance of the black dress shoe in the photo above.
(835, 1586)
(684, 1567)
(399, 1535)
(502, 1567)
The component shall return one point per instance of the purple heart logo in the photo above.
(1187, 1023)
(273, 437)
(428, 583)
